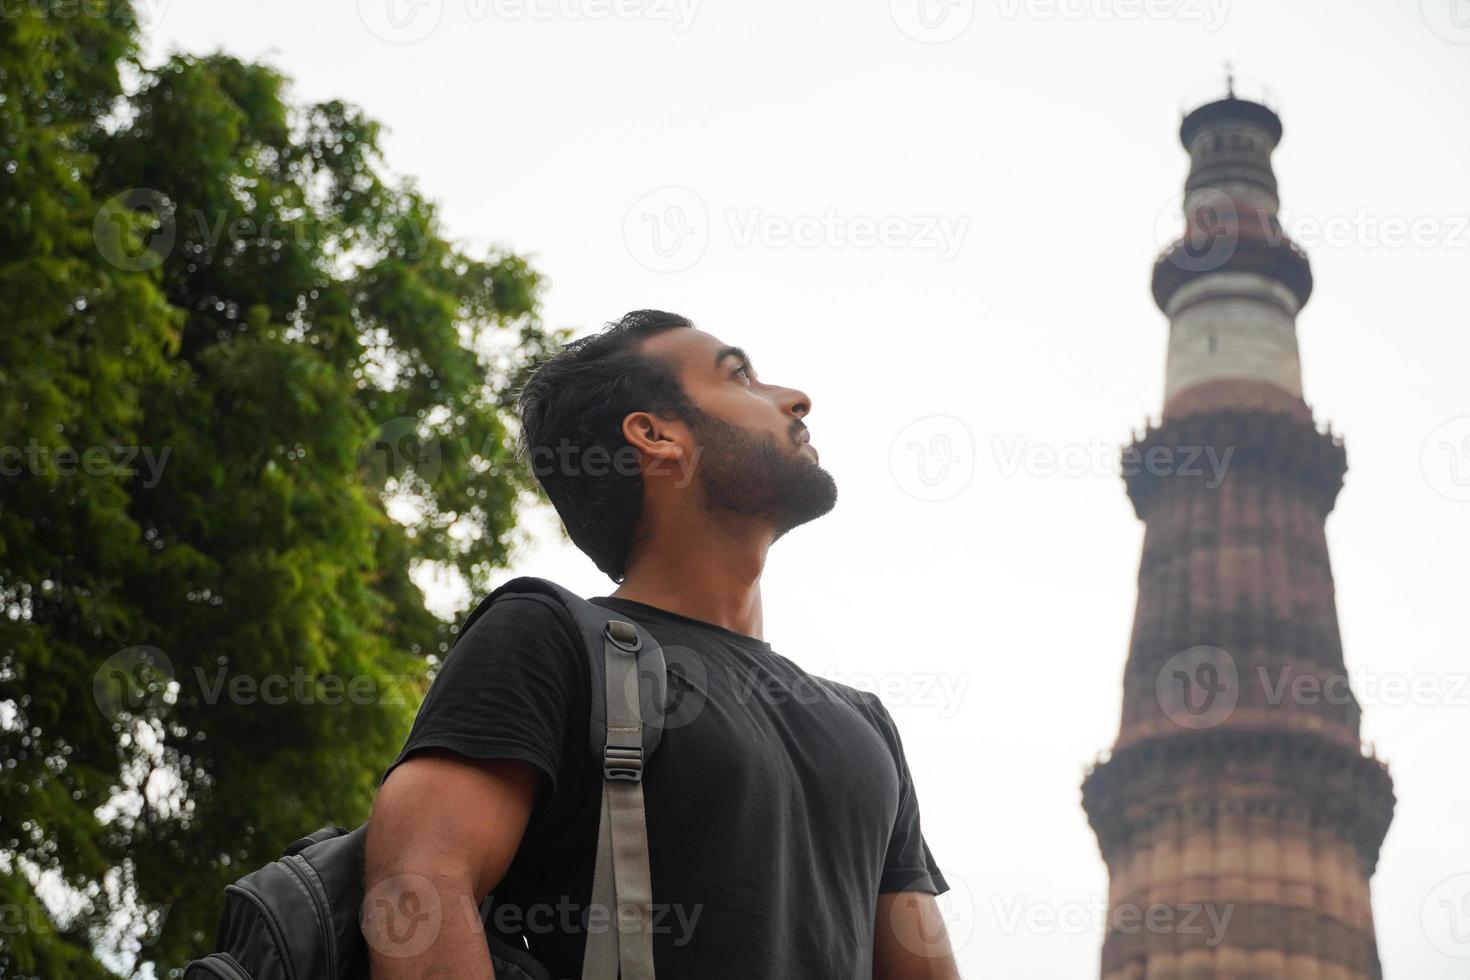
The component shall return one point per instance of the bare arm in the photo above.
(442, 834)
(910, 941)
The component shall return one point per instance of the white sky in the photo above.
(1047, 134)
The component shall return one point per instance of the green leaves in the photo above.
(219, 304)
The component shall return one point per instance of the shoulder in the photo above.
(520, 611)
(866, 703)
(869, 706)
(517, 622)
(855, 696)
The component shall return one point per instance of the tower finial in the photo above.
(1229, 81)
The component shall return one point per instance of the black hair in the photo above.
(572, 410)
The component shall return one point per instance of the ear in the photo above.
(657, 439)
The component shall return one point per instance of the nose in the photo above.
(796, 402)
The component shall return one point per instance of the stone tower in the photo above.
(1237, 812)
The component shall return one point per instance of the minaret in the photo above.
(1238, 814)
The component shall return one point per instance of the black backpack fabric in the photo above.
(297, 918)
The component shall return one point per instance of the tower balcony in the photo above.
(1224, 234)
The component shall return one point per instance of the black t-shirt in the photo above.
(779, 804)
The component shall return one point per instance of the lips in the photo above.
(803, 437)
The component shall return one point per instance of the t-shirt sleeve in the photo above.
(507, 690)
(909, 865)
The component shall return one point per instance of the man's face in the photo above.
(754, 454)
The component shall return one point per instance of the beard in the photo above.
(752, 474)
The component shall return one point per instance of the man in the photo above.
(783, 825)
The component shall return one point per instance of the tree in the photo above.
(234, 346)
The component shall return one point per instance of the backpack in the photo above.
(297, 918)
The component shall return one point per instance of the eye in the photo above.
(744, 371)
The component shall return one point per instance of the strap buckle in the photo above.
(623, 762)
(623, 635)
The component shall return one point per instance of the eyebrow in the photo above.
(737, 352)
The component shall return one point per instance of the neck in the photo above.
(706, 570)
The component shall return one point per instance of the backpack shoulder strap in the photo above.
(629, 685)
(590, 621)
